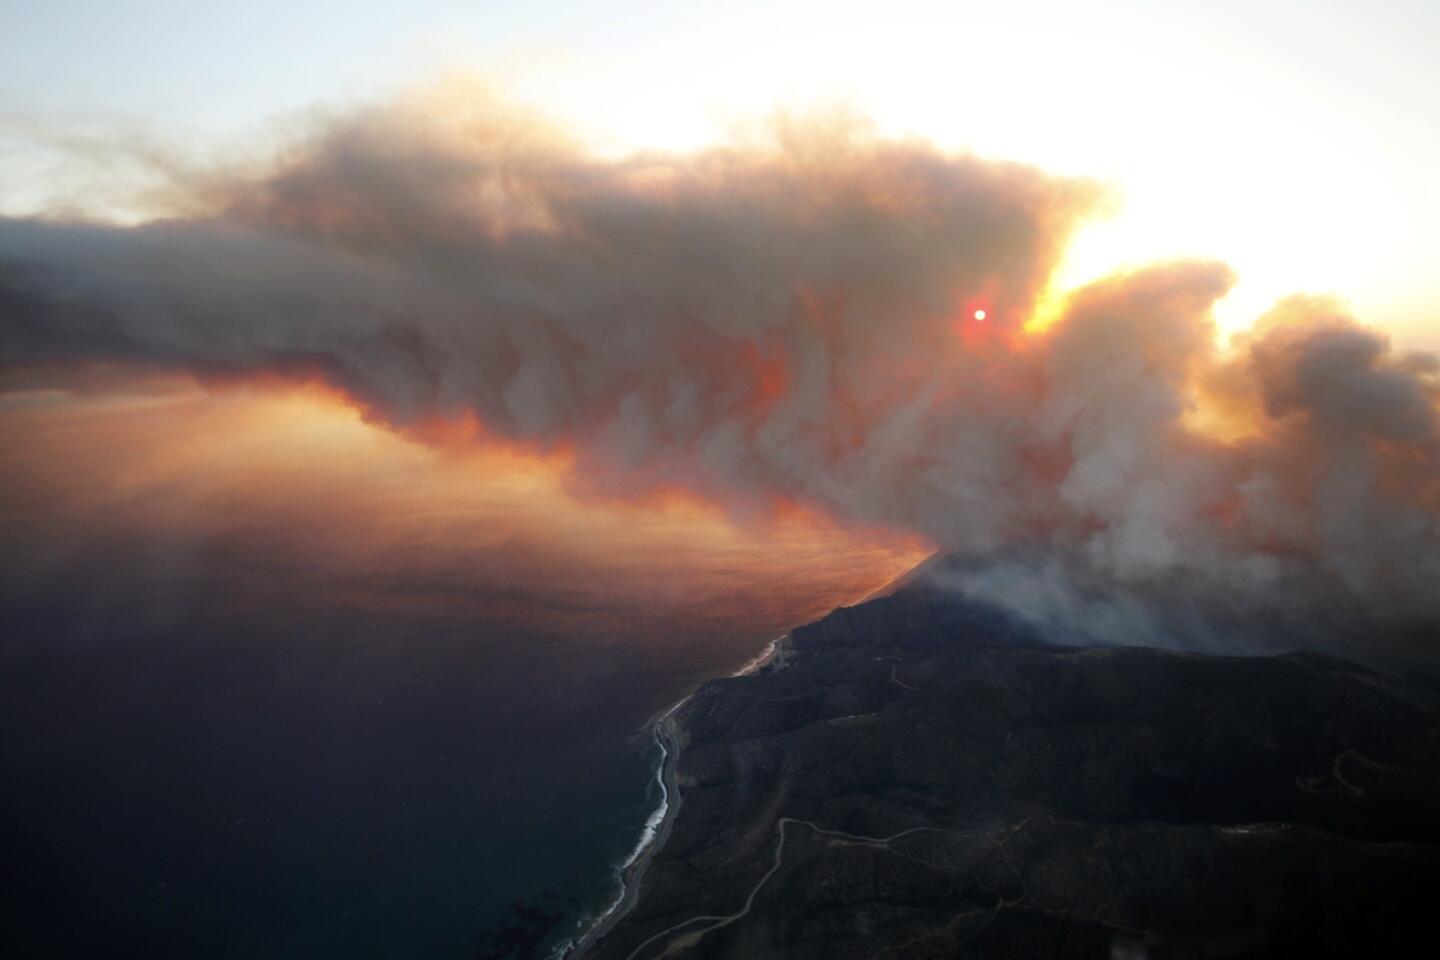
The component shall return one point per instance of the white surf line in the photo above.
(760, 659)
(657, 816)
(647, 835)
(726, 920)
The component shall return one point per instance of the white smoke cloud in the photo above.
(792, 320)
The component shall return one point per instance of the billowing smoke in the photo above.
(797, 319)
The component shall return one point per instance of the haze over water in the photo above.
(279, 683)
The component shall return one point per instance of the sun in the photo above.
(979, 314)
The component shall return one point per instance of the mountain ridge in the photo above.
(920, 776)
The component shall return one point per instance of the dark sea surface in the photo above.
(384, 788)
(217, 742)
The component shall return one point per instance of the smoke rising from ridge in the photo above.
(791, 319)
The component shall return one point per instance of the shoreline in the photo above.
(632, 871)
(761, 659)
(655, 833)
(652, 837)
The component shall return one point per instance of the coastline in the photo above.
(657, 827)
(652, 837)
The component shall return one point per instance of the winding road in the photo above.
(717, 922)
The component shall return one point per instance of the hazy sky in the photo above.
(1295, 140)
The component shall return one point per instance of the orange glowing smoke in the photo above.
(359, 507)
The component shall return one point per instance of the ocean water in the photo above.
(391, 791)
(229, 729)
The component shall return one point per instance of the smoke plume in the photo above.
(795, 318)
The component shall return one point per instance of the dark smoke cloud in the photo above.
(793, 319)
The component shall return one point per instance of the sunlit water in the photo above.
(277, 683)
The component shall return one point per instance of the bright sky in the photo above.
(1297, 140)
